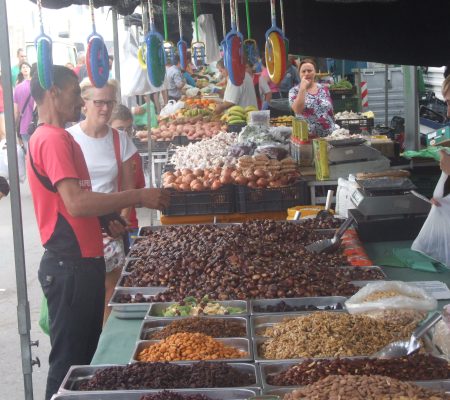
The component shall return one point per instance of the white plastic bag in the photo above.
(409, 298)
(171, 108)
(434, 237)
(4, 161)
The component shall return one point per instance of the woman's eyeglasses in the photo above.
(102, 103)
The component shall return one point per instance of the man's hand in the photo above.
(116, 229)
(435, 202)
(157, 199)
(445, 162)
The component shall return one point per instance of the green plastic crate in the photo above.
(345, 103)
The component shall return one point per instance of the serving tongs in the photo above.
(329, 245)
(403, 348)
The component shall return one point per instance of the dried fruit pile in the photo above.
(188, 347)
(165, 375)
(212, 327)
(416, 367)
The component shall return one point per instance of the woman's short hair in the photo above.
(307, 61)
(86, 86)
(121, 113)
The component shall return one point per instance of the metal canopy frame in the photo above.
(23, 309)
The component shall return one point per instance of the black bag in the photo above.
(33, 123)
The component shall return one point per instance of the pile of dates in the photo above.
(165, 375)
(282, 306)
(257, 259)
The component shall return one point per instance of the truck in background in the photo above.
(63, 52)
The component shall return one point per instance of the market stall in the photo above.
(265, 270)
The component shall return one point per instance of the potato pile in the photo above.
(257, 172)
(193, 128)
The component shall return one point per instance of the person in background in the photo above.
(80, 68)
(175, 79)
(4, 187)
(111, 62)
(24, 103)
(243, 95)
(108, 157)
(72, 269)
(291, 78)
(2, 112)
(273, 87)
(21, 57)
(24, 73)
(311, 101)
(188, 78)
(122, 120)
(140, 115)
(445, 157)
(69, 65)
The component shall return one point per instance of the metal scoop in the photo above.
(328, 245)
(403, 348)
(325, 213)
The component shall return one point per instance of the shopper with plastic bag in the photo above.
(434, 237)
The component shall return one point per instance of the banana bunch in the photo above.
(237, 115)
(194, 112)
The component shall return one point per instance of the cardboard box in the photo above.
(440, 137)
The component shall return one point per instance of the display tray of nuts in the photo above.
(330, 334)
(129, 266)
(148, 230)
(213, 394)
(239, 346)
(364, 387)
(298, 304)
(152, 289)
(237, 307)
(361, 275)
(260, 323)
(416, 367)
(131, 303)
(147, 376)
(217, 327)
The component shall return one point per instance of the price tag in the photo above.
(436, 289)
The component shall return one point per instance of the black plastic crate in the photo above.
(161, 145)
(271, 199)
(142, 147)
(220, 201)
(236, 128)
(357, 125)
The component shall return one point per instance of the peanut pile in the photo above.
(189, 346)
(328, 334)
(352, 387)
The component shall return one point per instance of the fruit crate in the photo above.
(271, 199)
(220, 201)
(236, 128)
(357, 125)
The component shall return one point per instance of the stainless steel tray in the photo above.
(258, 340)
(267, 369)
(154, 325)
(151, 289)
(156, 309)
(215, 394)
(129, 263)
(130, 310)
(370, 268)
(259, 323)
(79, 373)
(243, 344)
(319, 302)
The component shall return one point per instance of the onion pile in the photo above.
(209, 153)
(261, 173)
(192, 130)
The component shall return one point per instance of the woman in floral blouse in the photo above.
(311, 101)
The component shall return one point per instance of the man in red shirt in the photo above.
(72, 269)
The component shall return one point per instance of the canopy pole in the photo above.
(116, 49)
(411, 91)
(386, 94)
(23, 307)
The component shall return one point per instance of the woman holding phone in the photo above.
(108, 154)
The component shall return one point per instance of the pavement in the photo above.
(11, 378)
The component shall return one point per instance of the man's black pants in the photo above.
(75, 292)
